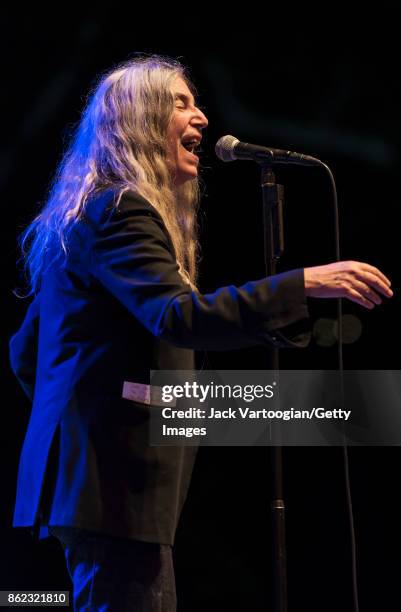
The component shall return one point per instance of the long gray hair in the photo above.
(120, 142)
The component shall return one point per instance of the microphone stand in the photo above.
(273, 199)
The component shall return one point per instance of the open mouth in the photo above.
(191, 145)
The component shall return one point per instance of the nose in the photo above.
(200, 119)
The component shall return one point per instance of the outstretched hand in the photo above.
(354, 280)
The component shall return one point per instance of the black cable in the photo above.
(341, 369)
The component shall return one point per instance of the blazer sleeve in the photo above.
(132, 256)
(23, 347)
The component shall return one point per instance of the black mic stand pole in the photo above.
(273, 198)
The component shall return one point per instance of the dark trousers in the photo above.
(116, 574)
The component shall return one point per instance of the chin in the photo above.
(184, 178)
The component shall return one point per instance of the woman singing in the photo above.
(112, 262)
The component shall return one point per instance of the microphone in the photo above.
(229, 148)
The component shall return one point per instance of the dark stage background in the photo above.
(336, 97)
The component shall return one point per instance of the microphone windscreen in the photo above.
(225, 148)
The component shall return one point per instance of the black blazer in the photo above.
(114, 310)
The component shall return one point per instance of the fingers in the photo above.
(358, 298)
(365, 284)
(376, 273)
(377, 283)
(367, 296)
